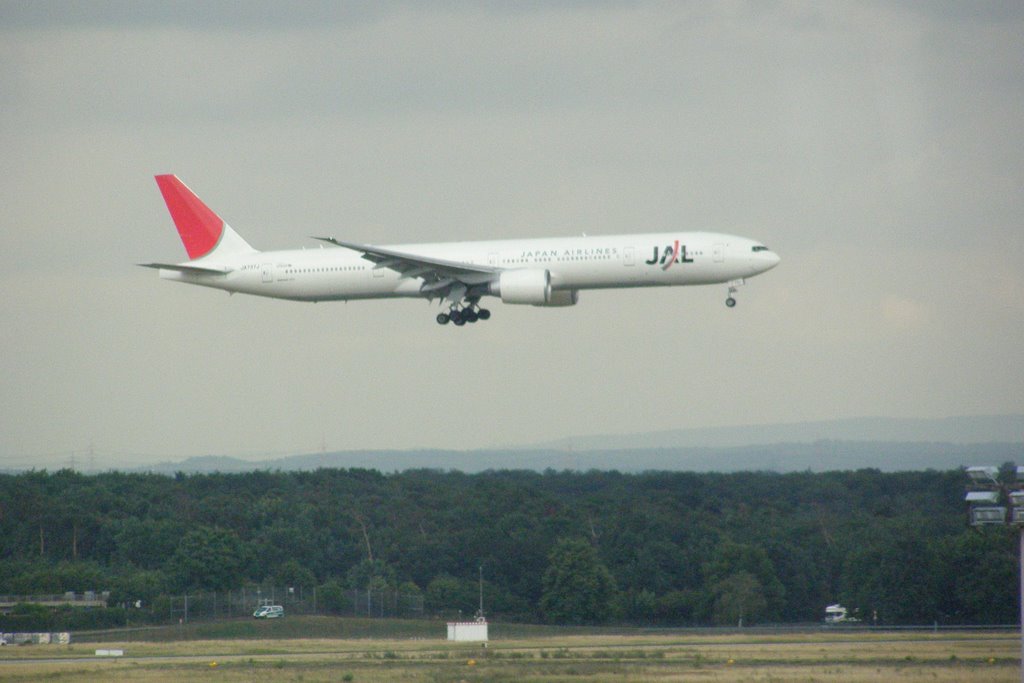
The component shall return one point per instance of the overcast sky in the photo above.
(876, 146)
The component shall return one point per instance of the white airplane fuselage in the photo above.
(538, 272)
(574, 263)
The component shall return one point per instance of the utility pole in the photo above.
(480, 613)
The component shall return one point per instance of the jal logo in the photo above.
(672, 253)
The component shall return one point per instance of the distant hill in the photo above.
(954, 430)
(819, 456)
(885, 444)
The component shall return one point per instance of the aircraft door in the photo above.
(629, 256)
(719, 252)
(267, 272)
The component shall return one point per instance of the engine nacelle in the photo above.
(531, 287)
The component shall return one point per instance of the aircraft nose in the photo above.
(764, 261)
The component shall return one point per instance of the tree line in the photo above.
(598, 547)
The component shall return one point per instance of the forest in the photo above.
(559, 547)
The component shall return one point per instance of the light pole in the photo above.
(987, 508)
(480, 613)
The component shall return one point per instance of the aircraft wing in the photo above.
(438, 274)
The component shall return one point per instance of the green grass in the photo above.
(603, 658)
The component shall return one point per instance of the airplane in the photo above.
(536, 272)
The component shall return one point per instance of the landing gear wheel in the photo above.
(483, 314)
(456, 316)
(442, 318)
(469, 315)
(459, 322)
(733, 285)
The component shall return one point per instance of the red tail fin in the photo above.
(200, 228)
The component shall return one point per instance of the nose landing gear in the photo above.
(733, 285)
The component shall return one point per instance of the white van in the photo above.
(268, 612)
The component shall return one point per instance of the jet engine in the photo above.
(531, 287)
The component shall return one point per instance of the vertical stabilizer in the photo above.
(201, 230)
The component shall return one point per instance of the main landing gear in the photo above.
(459, 316)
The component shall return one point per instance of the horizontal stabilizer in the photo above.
(184, 268)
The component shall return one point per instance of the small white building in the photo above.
(468, 631)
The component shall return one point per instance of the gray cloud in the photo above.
(200, 16)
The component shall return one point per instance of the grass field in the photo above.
(803, 657)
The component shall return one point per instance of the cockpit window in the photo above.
(760, 248)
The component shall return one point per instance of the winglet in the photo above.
(199, 227)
